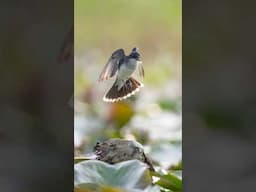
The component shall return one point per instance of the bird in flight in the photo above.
(124, 66)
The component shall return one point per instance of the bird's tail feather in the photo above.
(130, 87)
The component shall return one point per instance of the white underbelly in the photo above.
(125, 71)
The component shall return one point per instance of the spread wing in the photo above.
(111, 67)
(140, 69)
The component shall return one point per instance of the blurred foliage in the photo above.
(177, 166)
(120, 114)
(129, 176)
(122, 175)
(109, 23)
(151, 117)
(168, 104)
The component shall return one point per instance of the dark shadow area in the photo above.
(219, 96)
(36, 80)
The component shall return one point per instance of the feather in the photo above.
(111, 67)
(141, 69)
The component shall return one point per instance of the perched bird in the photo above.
(124, 66)
(117, 150)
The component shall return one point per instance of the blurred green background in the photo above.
(152, 116)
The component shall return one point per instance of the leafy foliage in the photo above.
(132, 176)
(169, 181)
(128, 175)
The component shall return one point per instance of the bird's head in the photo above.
(135, 54)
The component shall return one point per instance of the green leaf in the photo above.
(80, 159)
(169, 181)
(177, 167)
(130, 175)
(168, 104)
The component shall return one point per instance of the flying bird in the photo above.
(123, 67)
